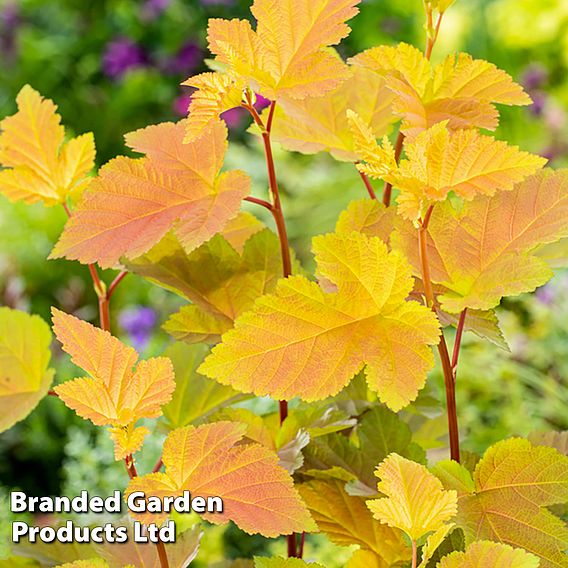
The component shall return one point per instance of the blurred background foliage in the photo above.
(113, 66)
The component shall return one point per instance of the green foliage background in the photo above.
(58, 47)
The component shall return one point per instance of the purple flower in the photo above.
(186, 60)
(138, 322)
(534, 77)
(233, 117)
(539, 102)
(152, 9)
(120, 56)
(546, 295)
(181, 104)
(10, 20)
(261, 102)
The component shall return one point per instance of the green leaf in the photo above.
(455, 541)
(483, 554)
(220, 281)
(24, 359)
(379, 433)
(195, 396)
(507, 498)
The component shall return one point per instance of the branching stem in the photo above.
(104, 295)
(277, 213)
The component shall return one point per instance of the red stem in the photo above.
(368, 185)
(387, 191)
(158, 466)
(104, 297)
(277, 213)
(458, 340)
(442, 346)
(260, 202)
(114, 284)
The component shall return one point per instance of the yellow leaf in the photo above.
(460, 90)
(485, 251)
(302, 341)
(364, 558)
(127, 440)
(292, 37)
(134, 203)
(379, 161)
(433, 542)
(287, 56)
(220, 282)
(346, 520)
(404, 61)
(367, 216)
(441, 5)
(258, 495)
(215, 94)
(320, 124)
(39, 166)
(415, 501)
(483, 554)
(115, 393)
(507, 499)
(465, 162)
(24, 359)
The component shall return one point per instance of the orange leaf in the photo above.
(461, 90)
(287, 56)
(257, 493)
(487, 250)
(115, 393)
(134, 203)
(39, 166)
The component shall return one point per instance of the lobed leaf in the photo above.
(415, 501)
(39, 165)
(507, 499)
(302, 341)
(485, 553)
(319, 124)
(485, 251)
(221, 282)
(346, 520)
(287, 56)
(115, 393)
(258, 494)
(25, 376)
(440, 161)
(133, 203)
(460, 90)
